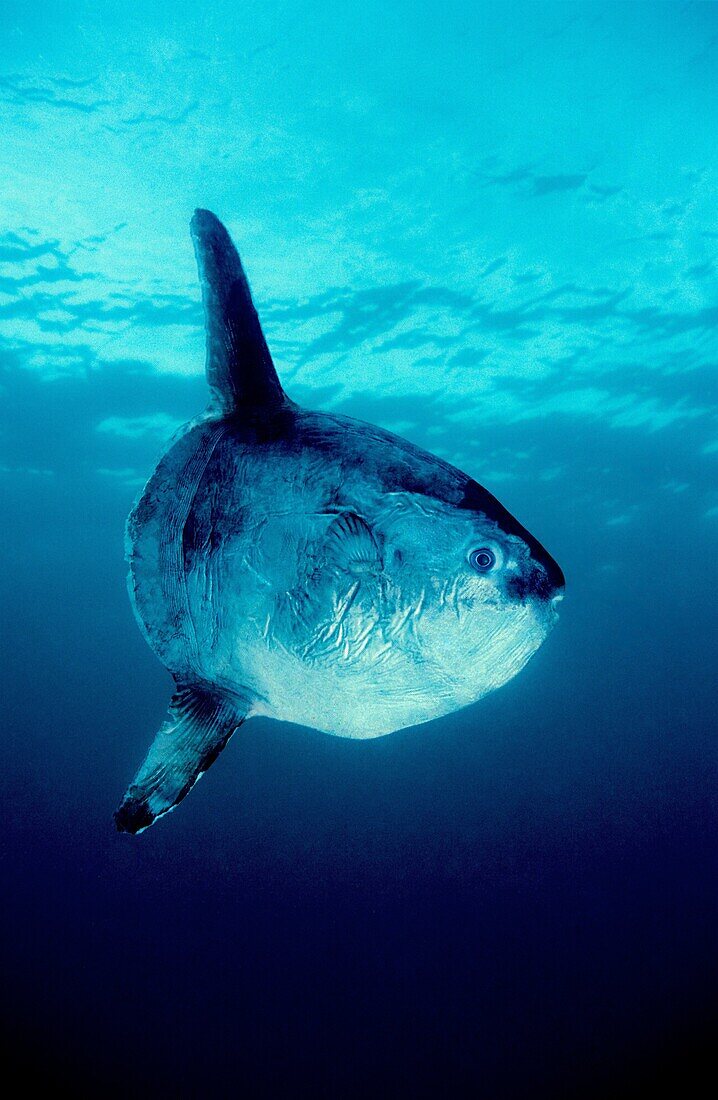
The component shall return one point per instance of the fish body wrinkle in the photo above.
(313, 568)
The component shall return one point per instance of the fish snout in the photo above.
(538, 580)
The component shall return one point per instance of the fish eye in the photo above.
(482, 559)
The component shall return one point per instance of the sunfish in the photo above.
(311, 567)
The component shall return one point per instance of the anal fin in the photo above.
(201, 721)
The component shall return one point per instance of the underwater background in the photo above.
(492, 228)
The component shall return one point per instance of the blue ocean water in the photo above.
(493, 229)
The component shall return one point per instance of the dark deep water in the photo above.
(516, 898)
(498, 237)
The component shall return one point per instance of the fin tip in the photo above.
(133, 816)
(203, 220)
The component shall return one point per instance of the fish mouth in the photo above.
(553, 608)
(539, 583)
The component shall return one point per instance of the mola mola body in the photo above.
(311, 567)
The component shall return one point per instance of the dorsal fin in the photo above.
(239, 368)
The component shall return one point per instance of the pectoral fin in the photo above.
(200, 723)
(351, 545)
